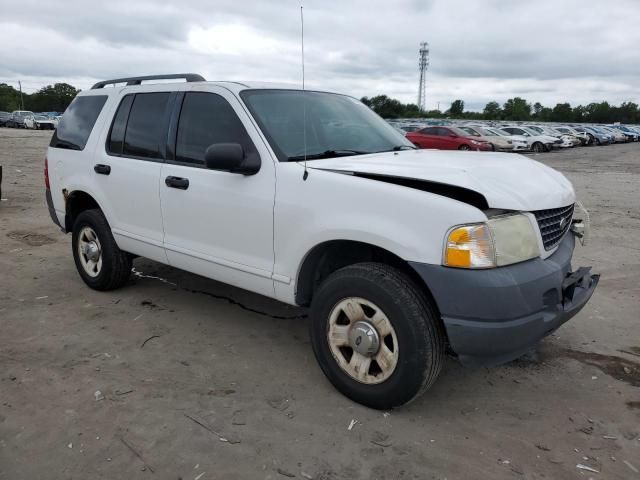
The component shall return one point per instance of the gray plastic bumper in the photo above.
(493, 316)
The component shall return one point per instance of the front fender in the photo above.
(328, 206)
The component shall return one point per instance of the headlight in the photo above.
(500, 241)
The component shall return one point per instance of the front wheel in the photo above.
(376, 336)
(99, 260)
(538, 147)
(463, 147)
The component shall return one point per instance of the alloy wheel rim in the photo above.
(362, 340)
(90, 251)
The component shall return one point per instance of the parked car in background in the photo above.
(599, 137)
(519, 143)
(568, 141)
(618, 135)
(499, 143)
(582, 136)
(631, 134)
(17, 118)
(40, 122)
(4, 118)
(447, 138)
(537, 142)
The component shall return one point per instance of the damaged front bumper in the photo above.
(494, 316)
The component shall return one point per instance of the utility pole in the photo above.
(21, 100)
(423, 65)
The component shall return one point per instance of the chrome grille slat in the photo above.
(549, 224)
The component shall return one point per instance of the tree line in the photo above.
(51, 98)
(515, 109)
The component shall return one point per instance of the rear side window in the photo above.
(144, 130)
(207, 118)
(77, 122)
(116, 135)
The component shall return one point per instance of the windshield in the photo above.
(530, 131)
(336, 125)
(495, 133)
(469, 131)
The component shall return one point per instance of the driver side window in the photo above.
(207, 118)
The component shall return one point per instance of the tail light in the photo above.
(46, 173)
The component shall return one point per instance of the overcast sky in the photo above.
(481, 50)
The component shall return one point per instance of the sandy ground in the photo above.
(198, 380)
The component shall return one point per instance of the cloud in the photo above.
(545, 51)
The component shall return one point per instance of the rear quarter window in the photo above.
(77, 122)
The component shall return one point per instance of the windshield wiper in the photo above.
(326, 154)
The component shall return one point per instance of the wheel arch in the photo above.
(75, 203)
(327, 257)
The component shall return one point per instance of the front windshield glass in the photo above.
(530, 131)
(493, 132)
(469, 131)
(336, 125)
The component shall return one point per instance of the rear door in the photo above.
(127, 171)
(218, 224)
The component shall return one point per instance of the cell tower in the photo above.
(423, 64)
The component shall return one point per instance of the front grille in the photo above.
(554, 224)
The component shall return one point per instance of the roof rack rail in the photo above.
(189, 77)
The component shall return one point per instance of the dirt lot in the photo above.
(202, 381)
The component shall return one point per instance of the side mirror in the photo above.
(231, 157)
(453, 135)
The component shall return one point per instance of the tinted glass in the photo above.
(429, 131)
(116, 135)
(146, 125)
(77, 122)
(207, 118)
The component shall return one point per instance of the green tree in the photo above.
(516, 109)
(492, 111)
(562, 112)
(545, 114)
(52, 98)
(457, 108)
(9, 98)
(537, 108)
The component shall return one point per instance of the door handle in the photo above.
(177, 182)
(102, 169)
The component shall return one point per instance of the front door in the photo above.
(217, 224)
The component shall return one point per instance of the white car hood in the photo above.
(507, 181)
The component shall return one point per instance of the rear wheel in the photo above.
(100, 263)
(376, 336)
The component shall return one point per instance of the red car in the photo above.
(447, 138)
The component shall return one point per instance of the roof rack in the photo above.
(189, 77)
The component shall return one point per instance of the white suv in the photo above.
(310, 198)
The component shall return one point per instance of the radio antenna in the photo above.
(304, 105)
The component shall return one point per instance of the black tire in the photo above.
(116, 264)
(538, 147)
(419, 331)
(464, 147)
